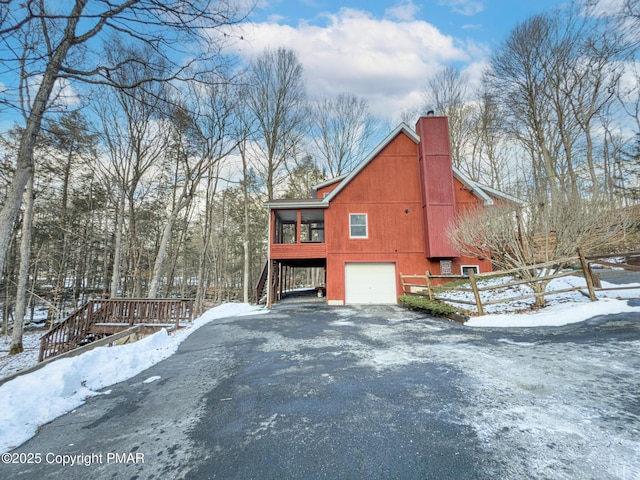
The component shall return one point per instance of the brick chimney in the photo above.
(436, 180)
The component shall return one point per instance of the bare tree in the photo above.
(518, 73)
(516, 238)
(199, 143)
(631, 10)
(48, 43)
(66, 145)
(132, 131)
(276, 99)
(557, 72)
(342, 129)
(447, 94)
(244, 133)
(490, 151)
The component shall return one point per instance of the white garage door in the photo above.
(370, 283)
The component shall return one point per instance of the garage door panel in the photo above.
(370, 283)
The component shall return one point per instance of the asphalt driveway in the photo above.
(309, 391)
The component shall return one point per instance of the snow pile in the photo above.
(553, 315)
(36, 398)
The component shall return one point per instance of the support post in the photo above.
(476, 293)
(269, 283)
(587, 275)
(427, 278)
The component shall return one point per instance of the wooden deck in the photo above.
(98, 318)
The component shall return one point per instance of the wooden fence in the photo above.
(102, 317)
(615, 268)
(423, 284)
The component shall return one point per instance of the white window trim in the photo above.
(477, 268)
(366, 226)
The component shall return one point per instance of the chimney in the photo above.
(436, 180)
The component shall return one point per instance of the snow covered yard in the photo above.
(568, 307)
(15, 363)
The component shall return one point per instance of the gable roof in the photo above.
(403, 127)
(486, 194)
(326, 183)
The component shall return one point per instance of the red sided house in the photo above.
(389, 215)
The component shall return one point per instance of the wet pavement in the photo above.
(313, 392)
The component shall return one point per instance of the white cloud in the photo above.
(63, 96)
(385, 61)
(464, 7)
(405, 10)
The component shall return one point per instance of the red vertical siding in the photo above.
(388, 191)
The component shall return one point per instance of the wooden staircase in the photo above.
(261, 286)
(99, 318)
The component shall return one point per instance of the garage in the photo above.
(370, 283)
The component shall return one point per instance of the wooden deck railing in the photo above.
(113, 314)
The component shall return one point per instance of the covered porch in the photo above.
(297, 248)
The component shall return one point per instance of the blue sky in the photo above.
(485, 20)
(382, 51)
(385, 51)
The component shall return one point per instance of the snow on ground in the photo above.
(36, 398)
(554, 315)
(561, 309)
(14, 363)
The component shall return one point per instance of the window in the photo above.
(312, 226)
(358, 225)
(285, 230)
(470, 268)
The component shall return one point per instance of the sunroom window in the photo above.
(312, 227)
(358, 225)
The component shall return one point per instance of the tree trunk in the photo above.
(117, 249)
(163, 247)
(25, 164)
(212, 188)
(245, 239)
(23, 275)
